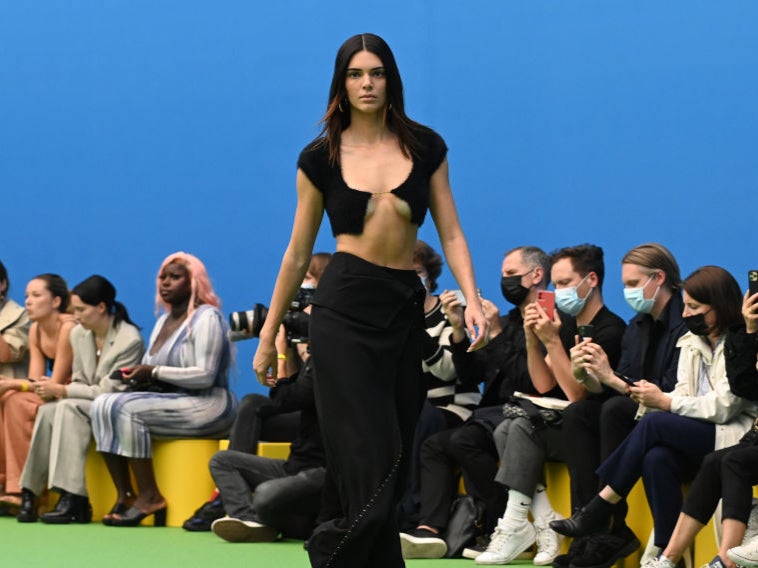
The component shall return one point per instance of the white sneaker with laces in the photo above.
(507, 543)
(548, 543)
(745, 555)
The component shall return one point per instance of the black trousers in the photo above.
(249, 427)
(727, 474)
(592, 430)
(470, 450)
(365, 330)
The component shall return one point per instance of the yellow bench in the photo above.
(181, 471)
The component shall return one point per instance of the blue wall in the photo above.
(129, 130)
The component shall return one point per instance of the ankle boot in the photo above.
(27, 512)
(70, 509)
(595, 517)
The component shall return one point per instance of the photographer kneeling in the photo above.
(266, 497)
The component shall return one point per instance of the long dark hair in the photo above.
(57, 286)
(336, 120)
(96, 289)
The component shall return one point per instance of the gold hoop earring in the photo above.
(339, 106)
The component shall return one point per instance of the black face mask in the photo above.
(512, 289)
(696, 324)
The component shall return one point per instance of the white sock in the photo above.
(517, 509)
(542, 510)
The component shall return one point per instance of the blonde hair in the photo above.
(654, 256)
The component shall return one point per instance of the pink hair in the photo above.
(202, 289)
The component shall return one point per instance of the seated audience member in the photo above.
(104, 341)
(258, 417)
(594, 427)
(470, 448)
(701, 414)
(524, 446)
(179, 390)
(266, 497)
(14, 344)
(14, 333)
(49, 351)
(727, 474)
(449, 401)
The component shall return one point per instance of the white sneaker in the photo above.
(507, 543)
(658, 562)
(548, 543)
(236, 530)
(745, 555)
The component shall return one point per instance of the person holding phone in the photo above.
(728, 474)
(701, 414)
(180, 389)
(104, 341)
(524, 446)
(594, 427)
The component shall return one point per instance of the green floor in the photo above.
(95, 545)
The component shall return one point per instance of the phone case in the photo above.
(752, 281)
(546, 299)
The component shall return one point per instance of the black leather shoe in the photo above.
(70, 509)
(596, 517)
(27, 512)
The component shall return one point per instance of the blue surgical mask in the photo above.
(635, 297)
(568, 301)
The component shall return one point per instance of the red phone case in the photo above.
(546, 299)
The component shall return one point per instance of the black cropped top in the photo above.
(346, 207)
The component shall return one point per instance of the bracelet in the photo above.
(25, 386)
(281, 357)
(154, 373)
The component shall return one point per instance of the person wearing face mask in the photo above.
(699, 415)
(595, 426)
(577, 273)
(469, 447)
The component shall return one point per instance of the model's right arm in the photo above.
(310, 211)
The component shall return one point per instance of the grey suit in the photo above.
(14, 327)
(62, 431)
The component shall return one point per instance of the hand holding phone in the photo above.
(627, 380)
(585, 331)
(546, 299)
(752, 281)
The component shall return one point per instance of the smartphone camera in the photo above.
(585, 331)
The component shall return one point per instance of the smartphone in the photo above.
(752, 281)
(459, 296)
(585, 331)
(627, 380)
(546, 299)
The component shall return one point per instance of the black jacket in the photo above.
(740, 350)
(665, 358)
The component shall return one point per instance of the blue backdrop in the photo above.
(132, 129)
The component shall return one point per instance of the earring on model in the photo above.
(339, 105)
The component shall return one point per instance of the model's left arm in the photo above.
(445, 215)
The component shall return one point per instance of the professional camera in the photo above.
(249, 323)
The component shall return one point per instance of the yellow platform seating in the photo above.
(181, 471)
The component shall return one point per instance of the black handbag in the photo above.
(466, 523)
(539, 417)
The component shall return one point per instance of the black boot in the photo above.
(70, 509)
(27, 513)
(595, 517)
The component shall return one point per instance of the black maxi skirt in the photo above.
(365, 330)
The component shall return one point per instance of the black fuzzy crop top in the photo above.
(346, 207)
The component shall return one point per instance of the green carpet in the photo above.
(95, 546)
